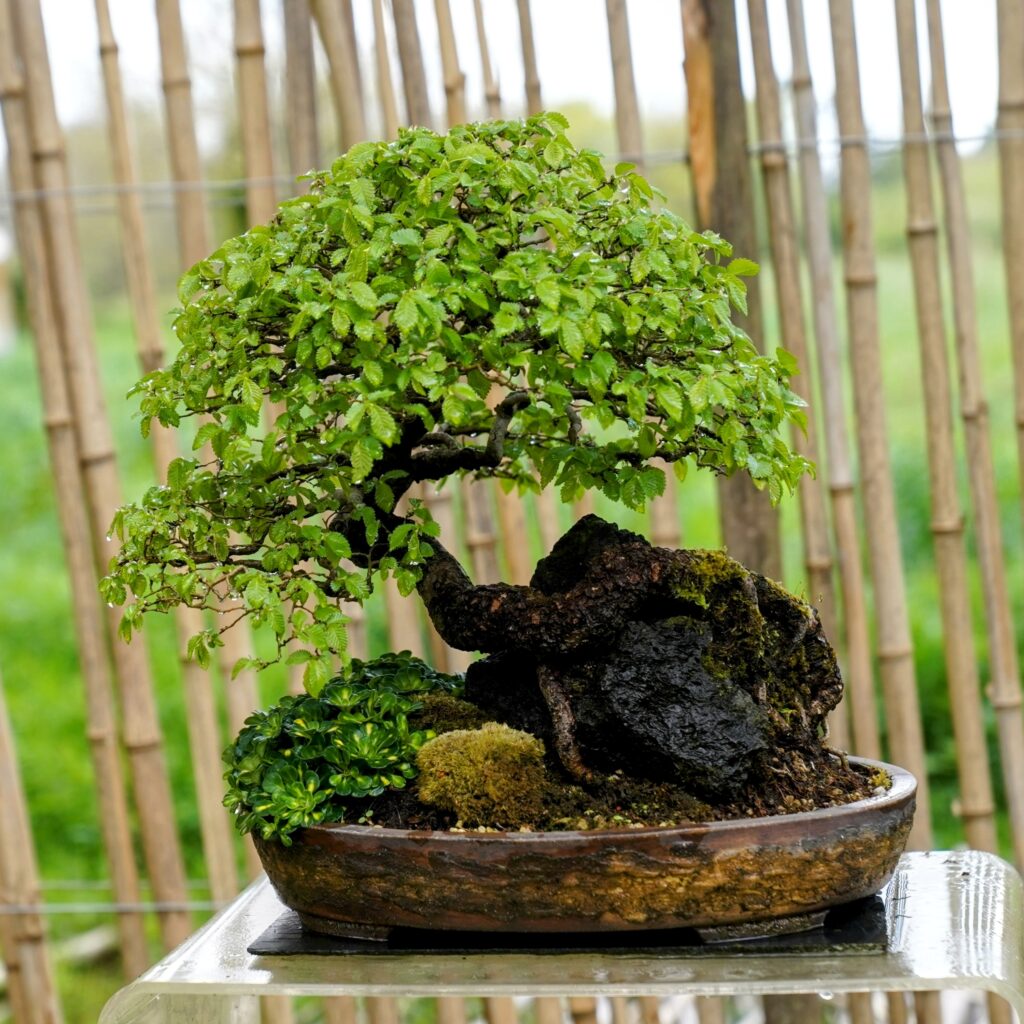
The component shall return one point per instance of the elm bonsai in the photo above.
(490, 303)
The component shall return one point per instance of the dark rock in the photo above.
(504, 686)
(654, 710)
(676, 666)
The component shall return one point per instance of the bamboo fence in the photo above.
(1005, 692)
(895, 648)
(498, 531)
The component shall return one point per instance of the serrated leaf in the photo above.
(571, 338)
(364, 296)
(554, 153)
(362, 460)
(699, 394)
(357, 264)
(406, 313)
(251, 393)
(743, 267)
(549, 292)
(406, 236)
(383, 425)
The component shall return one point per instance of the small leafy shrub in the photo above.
(306, 759)
(487, 776)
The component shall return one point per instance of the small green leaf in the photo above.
(364, 295)
(406, 313)
(743, 267)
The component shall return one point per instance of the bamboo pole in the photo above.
(492, 91)
(410, 56)
(186, 168)
(863, 720)
(510, 506)
(710, 1010)
(627, 105)
(193, 239)
(481, 533)
(72, 510)
(550, 1010)
(203, 736)
(548, 523)
(978, 808)
(500, 1010)
(454, 76)
(789, 299)
(721, 172)
(534, 104)
(583, 1009)
(300, 88)
(142, 736)
(333, 20)
(254, 113)
(385, 83)
(895, 648)
(1010, 134)
(1005, 688)
(30, 982)
(664, 510)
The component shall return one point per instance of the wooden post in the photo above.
(492, 92)
(410, 55)
(664, 510)
(947, 519)
(627, 106)
(254, 113)
(72, 511)
(141, 730)
(193, 239)
(895, 648)
(300, 88)
(30, 983)
(385, 83)
(454, 77)
(1010, 134)
(860, 691)
(789, 299)
(334, 22)
(721, 170)
(534, 105)
(1005, 689)
(186, 168)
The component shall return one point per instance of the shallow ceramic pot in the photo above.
(362, 881)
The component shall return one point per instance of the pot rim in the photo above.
(903, 788)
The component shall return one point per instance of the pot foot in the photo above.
(343, 929)
(774, 926)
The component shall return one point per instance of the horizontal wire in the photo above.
(108, 907)
(159, 192)
(105, 885)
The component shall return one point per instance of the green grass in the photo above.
(37, 646)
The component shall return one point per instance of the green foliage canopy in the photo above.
(489, 302)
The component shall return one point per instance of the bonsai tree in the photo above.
(488, 303)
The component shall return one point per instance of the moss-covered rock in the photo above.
(707, 667)
(493, 775)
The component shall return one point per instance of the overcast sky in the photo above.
(572, 47)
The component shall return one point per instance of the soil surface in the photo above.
(790, 783)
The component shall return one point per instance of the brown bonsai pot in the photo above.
(361, 881)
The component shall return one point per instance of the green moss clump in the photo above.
(444, 712)
(493, 775)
